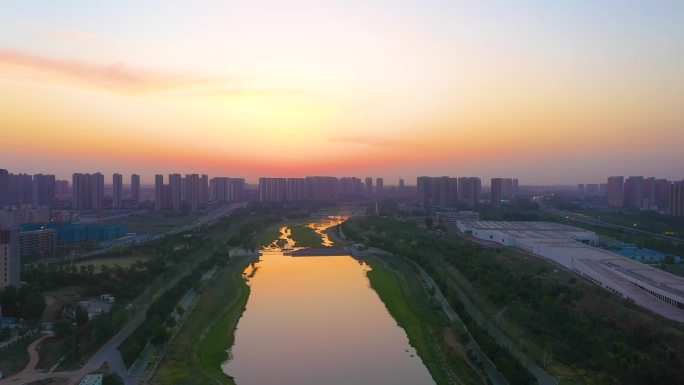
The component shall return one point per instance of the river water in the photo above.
(316, 320)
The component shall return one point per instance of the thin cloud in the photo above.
(70, 36)
(116, 77)
(371, 141)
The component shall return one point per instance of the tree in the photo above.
(112, 379)
(81, 316)
(62, 327)
(428, 223)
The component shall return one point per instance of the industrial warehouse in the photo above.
(573, 248)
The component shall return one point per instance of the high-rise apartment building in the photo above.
(10, 262)
(296, 190)
(379, 186)
(61, 189)
(20, 189)
(676, 205)
(507, 188)
(615, 191)
(437, 191)
(43, 189)
(236, 190)
(401, 188)
(218, 189)
(633, 192)
(662, 193)
(322, 188)
(158, 192)
(175, 185)
(88, 191)
(193, 183)
(424, 190)
(591, 189)
(648, 197)
(135, 188)
(117, 191)
(4, 187)
(203, 189)
(368, 186)
(469, 190)
(496, 192)
(350, 187)
(272, 189)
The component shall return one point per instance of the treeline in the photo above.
(25, 303)
(78, 336)
(581, 326)
(158, 316)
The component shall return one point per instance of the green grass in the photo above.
(421, 318)
(196, 355)
(265, 237)
(306, 237)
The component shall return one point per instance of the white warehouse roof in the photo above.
(653, 289)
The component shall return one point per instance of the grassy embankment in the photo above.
(410, 304)
(196, 354)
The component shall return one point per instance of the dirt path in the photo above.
(34, 356)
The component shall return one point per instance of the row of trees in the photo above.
(25, 303)
(158, 316)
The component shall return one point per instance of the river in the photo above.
(316, 320)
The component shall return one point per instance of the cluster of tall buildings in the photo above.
(592, 189)
(192, 189)
(444, 191)
(224, 189)
(88, 191)
(503, 188)
(18, 189)
(318, 188)
(639, 193)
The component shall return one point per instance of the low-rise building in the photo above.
(37, 245)
(91, 379)
(452, 217)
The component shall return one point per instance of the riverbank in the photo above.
(426, 326)
(196, 354)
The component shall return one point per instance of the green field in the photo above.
(306, 237)
(410, 304)
(196, 354)
(124, 262)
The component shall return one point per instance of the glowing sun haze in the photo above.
(550, 92)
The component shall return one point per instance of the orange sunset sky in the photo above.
(550, 92)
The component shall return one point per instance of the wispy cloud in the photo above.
(79, 37)
(371, 141)
(116, 77)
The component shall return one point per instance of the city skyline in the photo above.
(579, 91)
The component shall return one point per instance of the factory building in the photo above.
(574, 249)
